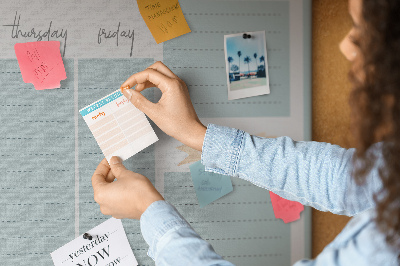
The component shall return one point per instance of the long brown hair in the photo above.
(375, 103)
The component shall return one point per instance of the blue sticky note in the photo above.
(209, 186)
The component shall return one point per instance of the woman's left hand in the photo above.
(127, 197)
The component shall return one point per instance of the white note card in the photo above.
(118, 126)
(109, 247)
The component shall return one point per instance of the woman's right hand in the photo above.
(174, 112)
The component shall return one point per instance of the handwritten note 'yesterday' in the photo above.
(41, 63)
(164, 18)
(108, 246)
(209, 186)
(284, 209)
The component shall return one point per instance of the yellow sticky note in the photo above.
(164, 18)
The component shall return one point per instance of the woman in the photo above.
(362, 182)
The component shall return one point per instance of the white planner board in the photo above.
(48, 154)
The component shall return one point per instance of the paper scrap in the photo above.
(109, 246)
(209, 186)
(164, 18)
(193, 155)
(118, 126)
(284, 209)
(41, 63)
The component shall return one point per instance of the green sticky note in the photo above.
(209, 186)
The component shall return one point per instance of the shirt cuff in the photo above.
(222, 148)
(158, 219)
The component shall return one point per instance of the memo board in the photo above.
(48, 154)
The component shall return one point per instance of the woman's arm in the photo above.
(315, 174)
(312, 173)
(171, 239)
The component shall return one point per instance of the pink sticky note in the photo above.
(41, 63)
(284, 209)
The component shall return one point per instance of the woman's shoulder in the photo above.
(362, 238)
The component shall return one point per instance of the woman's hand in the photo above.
(127, 197)
(174, 112)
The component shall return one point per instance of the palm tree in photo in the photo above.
(247, 60)
(234, 68)
(230, 60)
(239, 53)
(262, 59)
(255, 60)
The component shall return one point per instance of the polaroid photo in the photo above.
(246, 64)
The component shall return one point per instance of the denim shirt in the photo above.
(312, 173)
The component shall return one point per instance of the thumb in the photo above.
(138, 100)
(99, 175)
(116, 166)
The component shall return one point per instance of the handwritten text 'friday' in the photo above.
(45, 34)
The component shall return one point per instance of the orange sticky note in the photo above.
(284, 209)
(41, 63)
(164, 18)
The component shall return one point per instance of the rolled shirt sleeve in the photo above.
(172, 241)
(316, 174)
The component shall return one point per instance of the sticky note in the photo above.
(108, 246)
(164, 18)
(118, 126)
(284, 209)
(41, 63)
(209, 186)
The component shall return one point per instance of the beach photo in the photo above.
(246, 64)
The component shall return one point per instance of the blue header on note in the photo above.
(102, 102)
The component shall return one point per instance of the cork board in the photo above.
(331, 89)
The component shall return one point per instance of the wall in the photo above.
(331, 90)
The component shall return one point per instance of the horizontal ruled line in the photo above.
(235, 14)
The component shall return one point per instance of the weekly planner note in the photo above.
(118, 126)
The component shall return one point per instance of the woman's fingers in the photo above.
(142, 86)
(141, 102)
(160, 67)
(110, 177)
(100, 174)
(174, 113)
(159, 80)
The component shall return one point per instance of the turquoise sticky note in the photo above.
(209, 186)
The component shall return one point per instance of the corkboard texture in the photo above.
(331, 89)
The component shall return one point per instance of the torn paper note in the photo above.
(209, 186)
(193, 155)
(41, 63)
(164, 18)
(284, 209)
(118, 126)
(108, 246)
